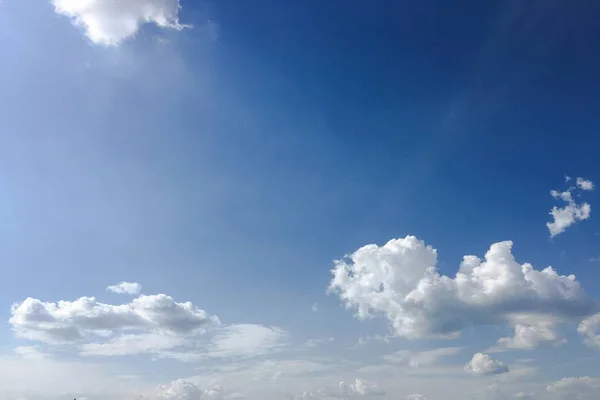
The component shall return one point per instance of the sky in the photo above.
(299, 200)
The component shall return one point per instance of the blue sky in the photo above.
(226, 153)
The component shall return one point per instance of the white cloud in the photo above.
(399, 280)
(416, 396)
(584, 184)
(360, 388)
(421, 358)
(132, 288)
(315, 307)
(181, 389)
(67, 321)
(531, 336)
(583, 388)
(482, 364)
(590, 327)
(564, 217)
(111, 22)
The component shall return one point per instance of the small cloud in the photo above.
(361, 388)
(584, 184)
(315, 307)
(594, 259)
(482, 364)
(529, 337)
(416, 396)
(109, 23)
(132, 288)
(572, 212)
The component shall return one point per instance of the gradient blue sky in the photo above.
(228, 164)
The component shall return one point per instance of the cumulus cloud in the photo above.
(111, 22)
(69, 321)
(531, 336)
(400, 281)
(482, 364)
(582, 388)
(564, 217)
(132, 288)
(584, 184)
(184, 390)
(590, 327)
(360, 388)
(421, 358)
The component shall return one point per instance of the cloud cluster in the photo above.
(482, 364)
(360, 388)
(582, 388)
(590, 328)
(400, 281)
(68, 321)
(564, 217)
(184, 390)
(111, 22)
(132, 288)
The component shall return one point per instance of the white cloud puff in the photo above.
(416, 396)
(68, 321)
(132, 288)
(590, 327)
(482, 364)
(564, 217)
(584, 184)
(582, 388)
(531, 336)
(400, 281)
(111, 22)
(360, 388)
(185, 390)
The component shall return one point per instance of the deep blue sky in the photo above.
(245, 155)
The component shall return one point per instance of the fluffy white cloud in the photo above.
(531, 336)
(421, 358)
(399, 280)
(583, 388)
(360, 388)
(125, 288)
(482, 364)
(584, 184)
(564, 217)
(590, 327)
(184, 390)
(416, 396)
(110, 22)
(68, 321)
